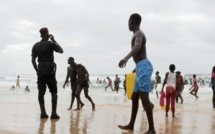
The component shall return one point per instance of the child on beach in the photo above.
(213, 85)
(194, 87)
(170, 81)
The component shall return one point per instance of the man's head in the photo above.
(178, 73)
(213, 69)
(134, 22)
(71, 61)
(44, 33)
(172, 67)
(156, 73)
(194, 76)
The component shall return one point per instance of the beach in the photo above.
(20, 113)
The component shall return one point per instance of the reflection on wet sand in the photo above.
(74, 122)
(53, 126)
(42, 126)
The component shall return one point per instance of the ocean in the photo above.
(97, 91)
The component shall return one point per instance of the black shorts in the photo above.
(83, 84)
(46, 77)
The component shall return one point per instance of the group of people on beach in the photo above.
(79, 76)
(27, 89)
(43, 51)
(116, 84)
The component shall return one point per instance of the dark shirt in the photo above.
(44, 50)
(158, 79)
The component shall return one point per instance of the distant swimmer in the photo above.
(170, 81)
(27, 89)
(17, 82)
(109, 84)
(83, 83)
(144, 70)
(104, 81)
(12, 88)
(179, 87)
(213, 85)
(194, 89)
(43, 51)
(71, 73)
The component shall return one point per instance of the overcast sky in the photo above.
(95, 33)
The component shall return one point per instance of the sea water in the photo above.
(96, 91)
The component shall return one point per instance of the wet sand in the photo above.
(21, 118)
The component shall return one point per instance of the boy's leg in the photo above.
(148, 106)
(134, 109)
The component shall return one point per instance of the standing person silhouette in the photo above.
(144, 70)
(158, 81)
(43, 51)
(17, 82)
(71, 73)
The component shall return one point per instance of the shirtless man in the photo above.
(143, 70)
(71, 73)
(83, 83)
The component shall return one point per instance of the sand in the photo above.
(20, 112)
(23, 118)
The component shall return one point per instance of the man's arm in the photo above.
(67, 77)
(33, 60)
(165, 81)
(59, 48)
(136, 48)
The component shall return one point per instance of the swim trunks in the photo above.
(144, 71)
(83, 84)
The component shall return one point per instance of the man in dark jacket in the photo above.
(43, 51)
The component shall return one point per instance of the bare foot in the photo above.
(82, 104)
(150, 132)
(130, 129)
(69, 108)
(77, 109)
(173, 115)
